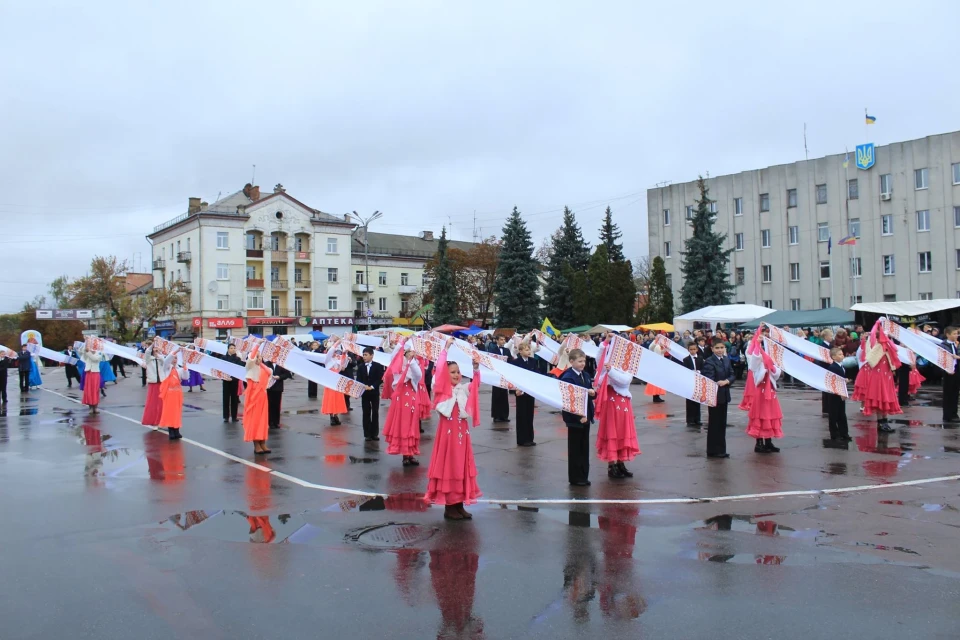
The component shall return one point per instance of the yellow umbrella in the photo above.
(659, 326)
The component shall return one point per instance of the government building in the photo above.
(785, 224)
(270, 264)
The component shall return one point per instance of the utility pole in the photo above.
(365, 223)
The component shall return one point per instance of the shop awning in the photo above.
(832, 317)
(907, 307)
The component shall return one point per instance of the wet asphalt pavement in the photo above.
(113, 531)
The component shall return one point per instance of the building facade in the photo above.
(785, 224)
(265, 264)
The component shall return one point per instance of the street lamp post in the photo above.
(365, 223)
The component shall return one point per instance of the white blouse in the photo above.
(620, 381)
(413, 375)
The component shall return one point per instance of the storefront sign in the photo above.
(164, 324)
(908, 320)
(253, 322)
(225, 323)
(197, 323)
(344, 321)
(64, 314)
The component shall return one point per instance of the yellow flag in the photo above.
(548, 328)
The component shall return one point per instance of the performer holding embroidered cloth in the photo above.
(402, 428)
(154, 406)
(255, 411)
(617, 433)
(877, 389)
(171, 395)
(91, 379)
(764, 415)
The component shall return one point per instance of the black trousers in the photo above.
(578, 453)
(274, 399)
(24, 381)
(74, 374)
(951, 395)
(3, 385)
(231, 401)
(143, 376)
(370, 402)
(500, 404)
(525, 406)
(717, 429)
(311, 389)
(838, 417)
(903, 385)
(825, 402)
(693, 412)
(118, 365)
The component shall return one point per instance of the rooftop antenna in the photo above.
(806, 154)
(474, 226)
(253, 179)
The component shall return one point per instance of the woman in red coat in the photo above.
(256, 423)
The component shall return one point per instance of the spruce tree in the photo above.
(569, 249)
(609, 234)
(442, 289)
(517, 284)
(659, 306)
(602, 288)
(580, 291)
(705, 261)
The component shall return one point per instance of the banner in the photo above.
(655, 369)
(49, 354)
(378, 356)
(211, 345)
(213, 367)
(798, 344)
(678, 351)
(926, 349)
(7, 352)
(805, 371)
(114, 349)
(282, 353)
(363, 339)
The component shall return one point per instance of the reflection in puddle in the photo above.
(882, 547)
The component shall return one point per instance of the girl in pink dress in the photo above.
(877, 389)
(764, 415)
(402, 428)
(617, 434)
(452, 474)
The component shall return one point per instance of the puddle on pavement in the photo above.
(659, 416)
(302, 412)
(926, 506)
(237, 526)
(391, 535)
(883, 547)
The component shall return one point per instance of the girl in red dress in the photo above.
(452, 474)
(877, 389)
(402, 428)
(153, 407)
(617, 434)
(91, 377)
(764, 415)
(256, 423)
(171, 396)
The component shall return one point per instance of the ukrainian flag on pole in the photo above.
(870, 119)
(548, 328)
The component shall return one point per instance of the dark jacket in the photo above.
(280, 372)
(718, 369)
(234, 359)
(530, 364)
(374, 378)
(500, 351)
(580, 380)
(23, 361)
(688, 363)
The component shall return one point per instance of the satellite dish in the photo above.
(212, 287)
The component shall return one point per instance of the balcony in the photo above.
(278, 284)
(185, 286)
(302, 284)
(407, 289)
(159, 264)
(183, 256)
(279, 312)
(255, 253)
(253, 283)
(301, 256)
(362, 288)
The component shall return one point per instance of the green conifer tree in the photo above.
(609, 234)
(569, 249)
(517, 283)
(442, 288)
(659, 306)
(705, 261)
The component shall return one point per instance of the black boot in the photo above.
(759, 447)
(658, 399)
(769, 446)
(614, 472)
(623, 470)
(884, 426)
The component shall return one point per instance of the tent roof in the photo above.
(579, 329)
(815, 318)
(907, 307)
(725, 313)
(600, 328)
(657, 326)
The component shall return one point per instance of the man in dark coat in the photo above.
(717, 367)
(693, 361)
(23, 366)
(231, 387)
(275, 394)
(370, 375)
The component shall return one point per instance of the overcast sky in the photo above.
(112, 114)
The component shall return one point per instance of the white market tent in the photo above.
(603, 328)
(726, 314)
(910, 308)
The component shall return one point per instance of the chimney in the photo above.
(346, 217)
(427, 235)
(193, 205)
(246, 189)
(254, 193)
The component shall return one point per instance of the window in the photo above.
(405, 278)
(765, 238)
(666, 249)
(358, 277)
(889, 266)
(298, 244)
(768, 304)
(854, 227)
(856, 268)
(274, 274)
(886, 184)
(956, 172)
(332, 274)
(331, 302)
(382, 278)
(689, 212)
(712, 207)
(382, 306)
(178, 246)
(332, 248)
(739, 240)
(923, 220)
(825, 303)
(358, 304)
(298, 306)
(741, 275)
(821, 194)
(926, 296)
(824, 269)
(298, 274)
(738, 206)
(853, 189)
(188, 244)
(956, 216)
(794, 304)
(274, 242)
(274, 305)
(920, 179)
(223, 303)
(666, 217)
(889, 297)
(794, 272)
(172, 255)
(856, 299)
(793, 235)
(252, 241)
(251, 272)
(886, 225)
(670, 281)
(958, 258)
(764, 202)
(223, 240)
(926, 261)
(823, 232)
(255, 300)
(223, 271)
(791, 198)
(767, 273)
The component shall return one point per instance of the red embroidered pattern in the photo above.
(216, 373)
(704, 390)
(506, 385)
(192, 357)
(892, 329)
(573, 398)
(775, 351)
(94, 344)
(835, 384)
(350, 387)
(276, 353)
(625, 355)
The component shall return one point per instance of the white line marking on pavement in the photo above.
(356, 492)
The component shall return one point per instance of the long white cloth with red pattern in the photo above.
(211, 345)
(199, 361)
(798, 344)
(283, 353)
(653, 368)
(49, 354)
(925, 348)
(429, 346)
(678, 351)
(363, 339)
(805, 371)
(356, 348)
(114, 349)
(7, 352)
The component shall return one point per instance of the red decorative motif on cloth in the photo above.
(163, 347)
(775, 332)
(350, 387)
(93, 344)
(216, 373)
(276, 353)
(776, 352)
(824, 354)
(836, 384)
(892, 329)
(704, 390)
(352, 347)
(625, 355)
(574, 398)
(505, 384)
(943, 361)
(426, 348)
